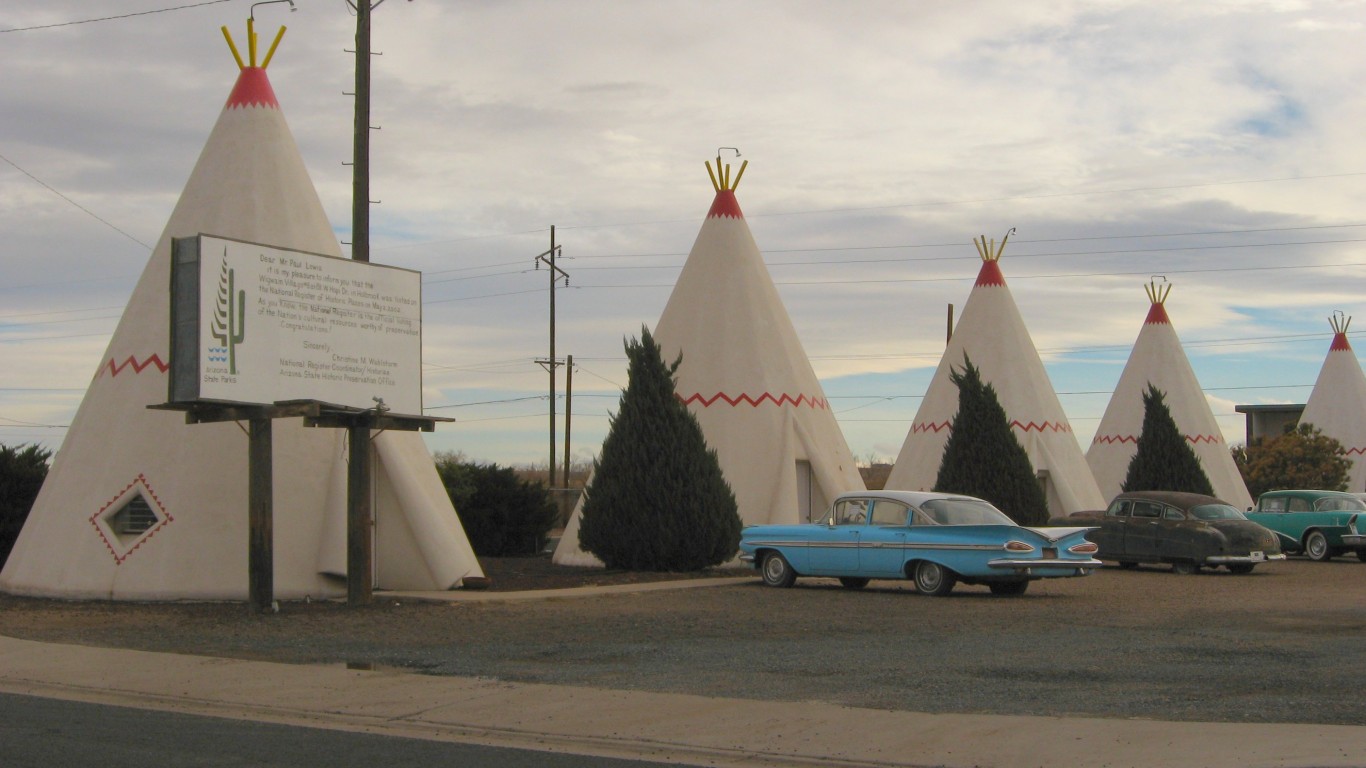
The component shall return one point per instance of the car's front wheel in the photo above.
(1241, 568)
(1316, 546)
(777, 571)
(851, 582)
(1009, 588)
(1184, 567)
(933, 579)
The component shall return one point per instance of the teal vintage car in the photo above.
(1319, 524)
(934, 539)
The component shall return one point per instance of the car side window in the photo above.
(1171, 513)
(1298, 505)
(889, 513)
(851, 512)
(1273, 505)
(1119, 509)
(1147, 509)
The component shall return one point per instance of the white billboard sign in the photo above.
(257, 324)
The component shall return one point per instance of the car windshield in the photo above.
(1343, 503)
(964, 512)
(1216, 512)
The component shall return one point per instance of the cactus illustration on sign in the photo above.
(229, 322)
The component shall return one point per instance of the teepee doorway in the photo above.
(804, 499)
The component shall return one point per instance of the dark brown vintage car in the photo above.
(1186, 530)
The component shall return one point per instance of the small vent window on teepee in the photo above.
(127, 520)
(132, 520)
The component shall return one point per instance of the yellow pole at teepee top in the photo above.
(1158, 295)
(252, 46)
(233, 47)
(988, 250)
(721, 178)
(278, 36)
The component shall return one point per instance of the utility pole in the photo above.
(360, 516)
(360, 171)
(548, 258)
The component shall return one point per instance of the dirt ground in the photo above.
(1284, 644)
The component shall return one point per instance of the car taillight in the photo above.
(1018, 546)
(1084, 548)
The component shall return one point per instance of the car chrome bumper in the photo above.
(1025, 566)
(1255, 557)
(746, 557)
(1354, 540)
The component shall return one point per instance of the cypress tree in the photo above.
(983, 458)
(658, 501)
(1164, 460)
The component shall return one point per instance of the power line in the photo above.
(113, 18)
(965, 278)
(1012, 198)
(975, 257)
(92, 214)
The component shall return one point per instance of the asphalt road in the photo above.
(42, 733)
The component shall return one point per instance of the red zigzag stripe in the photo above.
(744, 397)
(1196, 439)
(1046, 426)
(138, 367)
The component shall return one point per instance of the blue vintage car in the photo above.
(934, 539)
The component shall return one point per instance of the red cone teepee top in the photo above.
(990, 274)
(253, 87)
(1340, 323)
(1157, 314)
(252, 90)
(725, 203)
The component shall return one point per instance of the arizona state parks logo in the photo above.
(228, 326)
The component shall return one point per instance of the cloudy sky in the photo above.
(1215, 143)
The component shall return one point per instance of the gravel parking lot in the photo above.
(1284, 644)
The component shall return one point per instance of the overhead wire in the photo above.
(113, 18)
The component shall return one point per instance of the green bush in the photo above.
(502, 514)
(658, 501)
(1303, 457)
(983, 458)
(22, 471)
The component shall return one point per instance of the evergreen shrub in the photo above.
(983, 458)
(1164, 460)
(658, 501)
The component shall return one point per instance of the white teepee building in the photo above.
(138, 505)
(1158, 359)
(1337, 405)
(747, 379)
(993, 336)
